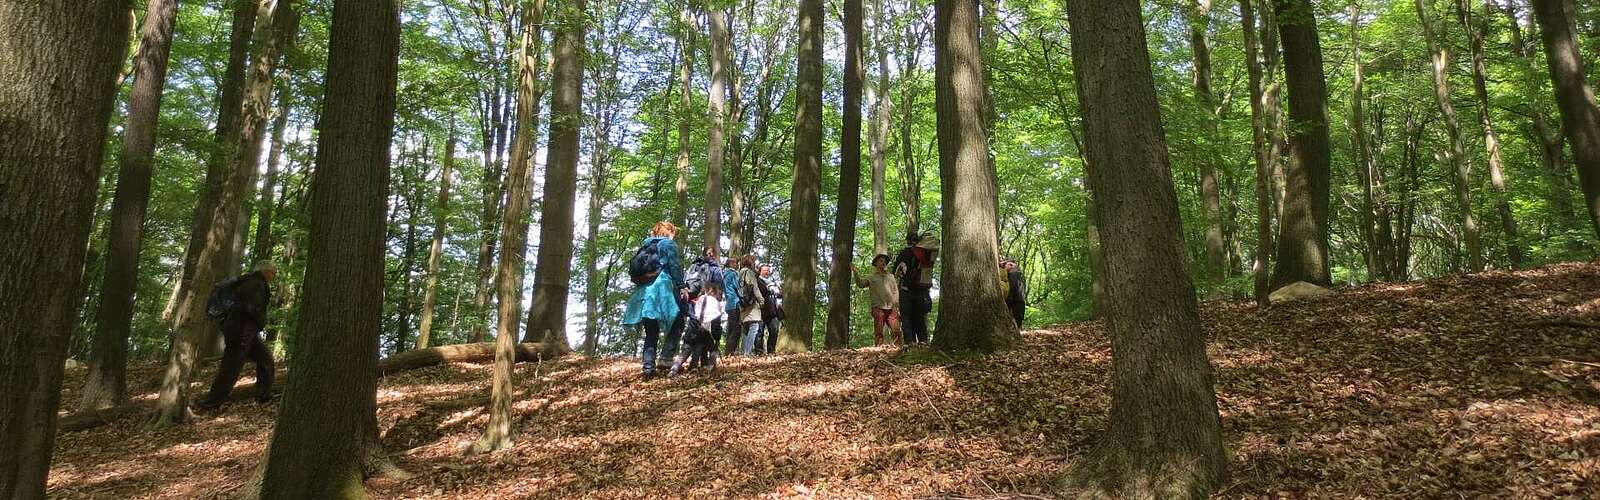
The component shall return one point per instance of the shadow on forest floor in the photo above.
(1477, 385)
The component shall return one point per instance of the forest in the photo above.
(1263, 249)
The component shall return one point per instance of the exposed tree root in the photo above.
(1112, 471)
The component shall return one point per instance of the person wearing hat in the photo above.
(247, 297)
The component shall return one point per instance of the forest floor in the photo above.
(1474, 386)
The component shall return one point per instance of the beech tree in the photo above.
(840, 274)
(1303, 227)
(547, 318)
(107, 384)
(1580, 117)
(436, 249)
(805, 196)
(327, 425)
(972, 315)
(1165, 436)
(514, 229)
(59, 62)
(1456, 153)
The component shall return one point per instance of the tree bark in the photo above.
(441, 221)
(262, 249)
(878, 135)
(408, 248)
(107, 383)
(1261, 153)
(1165, 437)
(1549, 141)
(1491, 139)
(327, 425)
(1303, 228)
(680, 214)
(229, 104)
(912, 53)
(1366, 168)
(805, 197)
(1580, 117)
(840, 274)
(59, 61)
(212, 265)
(718, 96)
(514, 229)
(1456, 154)
(547, 317)
(972, 312)
(1199, 14)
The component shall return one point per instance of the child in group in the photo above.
(705, 332)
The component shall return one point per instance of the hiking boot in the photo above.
(647, 375)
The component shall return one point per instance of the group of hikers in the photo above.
(697, 306)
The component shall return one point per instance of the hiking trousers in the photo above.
(241, 343)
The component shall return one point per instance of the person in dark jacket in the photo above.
(242, 329)
(1016, 290)
(914, 268)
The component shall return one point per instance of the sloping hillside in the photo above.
(1484, 385)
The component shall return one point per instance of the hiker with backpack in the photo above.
(885, 299)
(1016, 290)
(659, 297)
(700, 339)
(701, 273)
(771, 312)
(240, 305)
(730, 287)
(914, 267)
(752, 301)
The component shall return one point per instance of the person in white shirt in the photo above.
(700, 341)
(885, 300)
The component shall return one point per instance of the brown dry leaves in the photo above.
(1460, 386)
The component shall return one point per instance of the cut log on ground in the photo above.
(409, 360)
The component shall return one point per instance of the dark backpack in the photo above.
(646, 263)
(700, 273)
(769, 307)
(221, 299)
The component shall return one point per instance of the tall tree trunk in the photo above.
(840, 274)
(408, 255)
(514, 230)
(193, 327)
(1277, 140)
(972, 313)
(547, 317)
(262, 249)
(1548, 140)
(327, 426)
(878, 135)
(493, 197)
(1260, 152)
(912, 53)
(1363, 151)
(1580, 118)
(107, 384)
(1491, 139)
(1456, 154)
(229, 103)
(441, 221)
(59, 61)
(735, 160)
(680, 214)
(1303, 230)
(805, 198)
(1165, 436)
(718, 19)
(1199, 14)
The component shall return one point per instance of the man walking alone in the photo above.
(245, 300)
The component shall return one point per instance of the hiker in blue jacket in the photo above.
(659, 297)
(730, 287)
